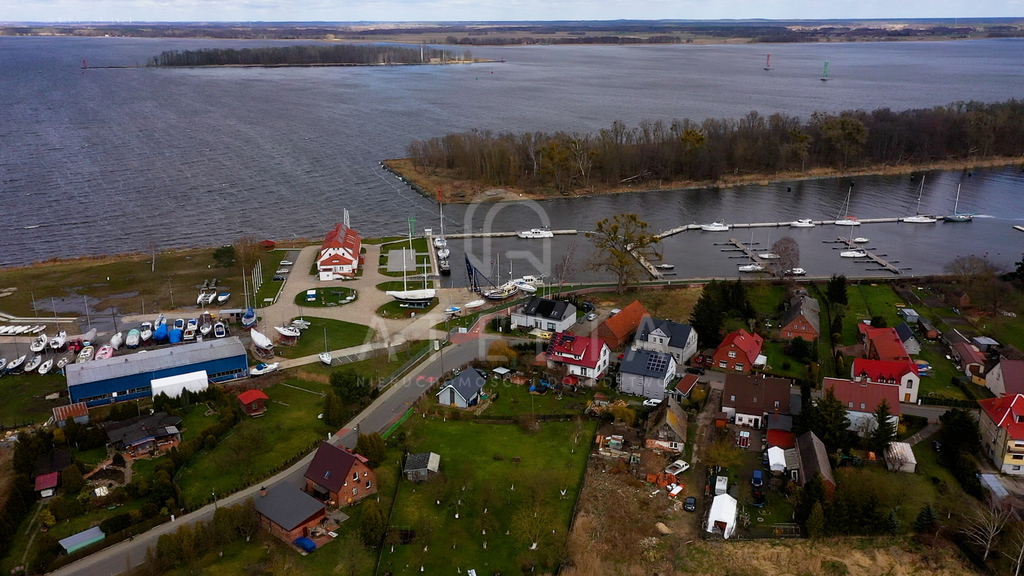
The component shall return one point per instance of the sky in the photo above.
(491, 10)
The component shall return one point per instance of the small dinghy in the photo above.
(223, 297)
(45, 366)
(33, 363)
(39, 344)
(105, 351)
(132, 341)
(219, 331)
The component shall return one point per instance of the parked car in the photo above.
(764, 458)
(757, 498)
(677, 467)
(587, 307)
(695, 370)
(278, 278)
(614, 311)
(592, 316)
(651, 402)
(690, 504)
(758, 479)
(261, 369)
(286, 263)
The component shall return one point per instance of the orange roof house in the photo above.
(883, 344)
(618, 329)
(738, 352)
(253, 402)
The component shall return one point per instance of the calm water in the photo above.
(107, 161)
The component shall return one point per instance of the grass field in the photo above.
(781, 364)
(256, 446)
(396, 310)
(480, 475)
(326, 297)
(880, 300)
(371, 368)
(940, 382)
(670, 304)
(340, 335)
(513, 400)
(25, 397)
(766, 299)
(856, 312)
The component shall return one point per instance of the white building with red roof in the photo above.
(902, 373)
(862, 398)
(339, 254)
(1002, 432)
(587, 358)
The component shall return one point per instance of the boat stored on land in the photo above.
(145, 332)
(249, 318)
(223, 297)
(33, 363)
(503, 292)
(16, 363)
(85, 355)
(116, 340)
(424, 296)
(39, 344)
(288, 331)
(45, 366)
(174, 336)
(219, 331)
(59, 340)
(63, 361)
(105, 351)
(133, 338)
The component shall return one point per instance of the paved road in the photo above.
(388, 408)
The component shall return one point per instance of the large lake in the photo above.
(105, 161)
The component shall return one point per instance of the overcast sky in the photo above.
(447, 10)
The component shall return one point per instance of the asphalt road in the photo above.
(378, 417)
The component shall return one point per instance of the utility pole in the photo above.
(170, 290)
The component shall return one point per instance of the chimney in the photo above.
(263, 491)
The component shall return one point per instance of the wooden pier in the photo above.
(1020, 228)
(506, 234)
(883, 264)
(688, 227)
(746, 249)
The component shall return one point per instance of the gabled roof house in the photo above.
(903, 374)
(739, 352)
(462, 391)
(618, 329)
(646, 373)
(679, 340)
(339, 476)
(545, 314)
(1002, 432)
(862, 398)
(751, 399)
(801, 319)
(339, 253)
(586, 358)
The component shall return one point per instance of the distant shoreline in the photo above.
(461, 191)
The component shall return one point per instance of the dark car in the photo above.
(690, 504)
(757, 498)
(695, 370)
(587, 307)
(764, 458)
(758, 479)
(278, 278)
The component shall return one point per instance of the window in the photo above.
(1016, 468)
(722, 364)
(732, 398)
(1018, 456)
(739, 367)
(850, 404)
(910, 384)
(862, 406)
(776, 403)
(732, 353)
(367, 484)
(354, 490)
(355, 475)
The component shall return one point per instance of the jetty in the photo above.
(749, 251)
(505, 234)
(687, 227)
(882, 264)
(1020, 228)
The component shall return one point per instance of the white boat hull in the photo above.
(325, 358)
(853, 254)
(802, 224)
(425, 295)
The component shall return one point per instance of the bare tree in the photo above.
(970, 270)
(789, 255)
(619, 241)
(982, 526)
(248, 250)
(1015, 548)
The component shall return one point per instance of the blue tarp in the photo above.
(305, 543)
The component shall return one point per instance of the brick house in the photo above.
(862, 398)
(883, 344)
(287, 512)
(801, 319)
(339, 477)
(618, 329)
(902, 374)
(739, 352)
(752, 399)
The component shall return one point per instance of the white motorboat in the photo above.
(85, 355)
(145, 332)
(718, 226)
(205, 324)
(210, 298)
(474, 304)
(63, 361)
(443, 253)
(261, 368)
(219, 331)
(16, 363)
(33, 363)
(665, 266)
(753, 267)
(423, 296)
(39, 344)
(860, 240)
(105, 351)
(189, 335)
(45, 366)
(116, 340)
(536, 233)
(301, 324)
(795, 272)
(192, 323)
(440, 242)
(853, 254)
(223, 297)
(288, 331)
(768, 256)
(527, 288)
(133, 338)
(201, 298)
(260, 340)
(179, 324)
(802, 223)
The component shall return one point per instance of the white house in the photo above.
(679, 340)
(585, 358)
(722, 517)
(903, 373)
(339, 254)
(910, 341)
(646, 373)
(546, 314)
(861, 399)
(1006, 378)
(462, 391)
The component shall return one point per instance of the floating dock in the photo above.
(507, 234)
(688, 227)
(883, 264)
(746, 249)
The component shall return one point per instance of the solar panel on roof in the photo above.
(656, 363)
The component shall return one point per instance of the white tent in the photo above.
(173, 385)
(777, 459)
(723, 515)
(899, 457)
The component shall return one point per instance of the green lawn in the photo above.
(373, 367)
(880, 300)
(856, 311)
(92, 457)
(256, 446)
(395, 309)
(24, 397)
(418, 244)
(481, 475)
(940, 381)
(778, 361)
(766, 299)
(1005, 330)
(513, 400)
(326, 297)
(340, 335)
(196, 421)
(92, 518)
(271, 261)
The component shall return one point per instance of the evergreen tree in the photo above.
(334, 410)
(885, 429)
(707, 316)
(372, 524)
(812, 493)
(71, 480)
(816, 522)
(349, 386)
(927, 520)
(892, 523)
(372, 447)
(831, 423)
(835, 290)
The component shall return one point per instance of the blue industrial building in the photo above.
(128, 377)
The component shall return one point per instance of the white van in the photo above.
(721, 485)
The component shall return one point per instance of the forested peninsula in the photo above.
(309, 55)
(715, 152)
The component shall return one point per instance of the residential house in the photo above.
(1006, 378)
(78, 412)
(46, 484)
(800, 320)
(812, 458)
(287, 512)
(862, 398)
(545, 314)
(339, 254)
(910, 342)
(646, 373)
(883, 344)
(338, 476)
(739, 352)
(667, 431)
(1002, 432)
(618, 329)
(583, 357)
(971, 361)
(144, 434)
(679, 340)
(683, 387)
(904, 374)
(958, 298)
(464, 390)
(253, 402)
(751, 399)
(422, 466)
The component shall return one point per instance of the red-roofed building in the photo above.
(781, 438)
(971, 361)
(78, 412)
(253, 402)
(339, 253)
(1006, 378)
(584, 357)
(738, 352)
(883, 344)
(903, 374)
(861, 398)
(339, 476)
(46, 484)
(1002, 432)
(618, 329)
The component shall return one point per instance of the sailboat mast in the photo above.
(956, 203)
(920, 193)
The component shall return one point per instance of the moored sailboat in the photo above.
(957, 216)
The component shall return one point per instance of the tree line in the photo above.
(700, 151)
(302, 55)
